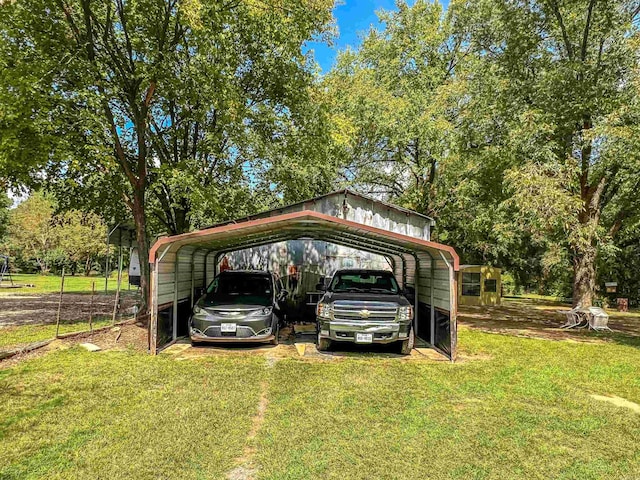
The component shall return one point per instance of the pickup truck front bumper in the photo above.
(345, 330)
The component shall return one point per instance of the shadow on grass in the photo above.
(539, 318)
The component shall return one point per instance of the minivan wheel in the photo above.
(407, 345)
(323, 344)
(276, 335)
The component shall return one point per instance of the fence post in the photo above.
(93, 292)
(60, 304)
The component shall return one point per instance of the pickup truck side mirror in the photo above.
(321, 287)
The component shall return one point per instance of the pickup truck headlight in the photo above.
(405, 313)
(324, 310)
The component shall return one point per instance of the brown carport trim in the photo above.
(302, 215)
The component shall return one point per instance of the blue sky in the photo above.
(354, 17)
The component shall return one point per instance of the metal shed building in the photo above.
(181, 265)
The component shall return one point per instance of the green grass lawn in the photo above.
(26, 334)
(72, 284)
(522, 409)
(118, 415)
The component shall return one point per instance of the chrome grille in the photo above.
(241, 332)
(364, 311)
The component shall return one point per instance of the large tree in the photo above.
(32, 234)
(394, 103)
(554, 90)
(156, 103)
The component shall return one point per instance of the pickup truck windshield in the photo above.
(378, 282)
(240, 289)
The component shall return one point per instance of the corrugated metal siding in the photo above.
(410, 269)
(441, 286)
(166, 277)
(210, 267)
(199, 268)
(184, 272)
(363, 210)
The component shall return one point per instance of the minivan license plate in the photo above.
(228, 327)
(364, 337)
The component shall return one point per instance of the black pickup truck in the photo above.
(364, 306)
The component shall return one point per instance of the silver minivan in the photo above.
(239, 306)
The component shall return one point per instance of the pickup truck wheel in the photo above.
(407, 345)
(323, 344)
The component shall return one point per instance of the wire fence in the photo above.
(26, 318)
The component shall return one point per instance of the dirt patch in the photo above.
(538, 319)
(618, 402)
(245, 469)
(122, 337)
(42, 309)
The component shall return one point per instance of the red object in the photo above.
(623, 304)
(224, 265)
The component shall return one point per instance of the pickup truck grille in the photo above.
(365, 311)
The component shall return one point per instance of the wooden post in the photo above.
(60, 304)
(117, 300)
(93, 292)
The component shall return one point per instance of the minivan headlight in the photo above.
(324, 310)
(262, 312)
(405, 313)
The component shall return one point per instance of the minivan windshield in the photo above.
(374, 282)
(240, 289)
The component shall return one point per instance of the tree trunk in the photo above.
(585, 252)
(143, 248)
(584, 279)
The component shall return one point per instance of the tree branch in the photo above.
(567, 43)
(585, 36)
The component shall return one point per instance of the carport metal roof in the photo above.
(428, 267)
(304, 224)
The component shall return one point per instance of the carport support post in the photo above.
(153, 323)
(193, 278)
(416, 296)
(453, 307)
(432, 335)
(216, 260)
(176, 286)
(404, 272)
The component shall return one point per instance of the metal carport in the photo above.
(183, 264)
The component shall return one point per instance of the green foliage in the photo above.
(188, 98)
(392, 117)
(5, 203)
(40, 239)
(515, 125)
(561, 96)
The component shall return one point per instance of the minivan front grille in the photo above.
(241, 332)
